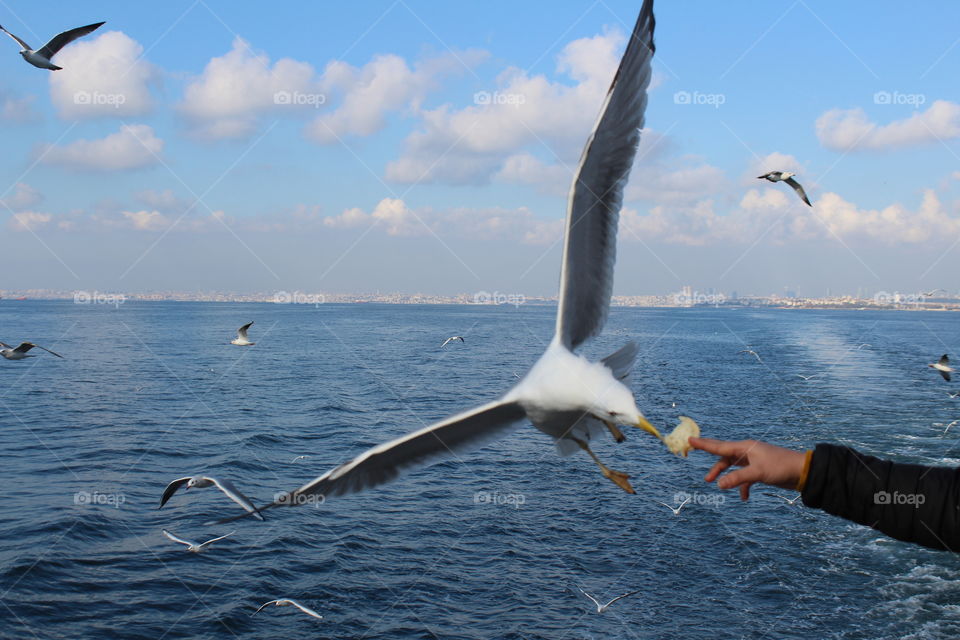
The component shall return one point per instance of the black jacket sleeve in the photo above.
(908, 502)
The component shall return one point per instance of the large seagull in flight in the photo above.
(564, 395)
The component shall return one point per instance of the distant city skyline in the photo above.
(409, 150)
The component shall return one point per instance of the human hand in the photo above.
(759, 462)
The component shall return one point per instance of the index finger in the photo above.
(719, 447)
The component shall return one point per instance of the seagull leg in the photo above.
(615, 432)
(616, 477)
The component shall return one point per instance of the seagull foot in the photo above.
(619, 478)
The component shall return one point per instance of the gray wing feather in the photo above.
(172, 489)
(593, 209)
(800, 192)
(234, 494)
(61, 40)
(19, 41)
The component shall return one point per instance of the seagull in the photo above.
(942, 366)
(786, 176)
(862, 345)
(789, 501)
(451, 339)
(807, 377)
(20, 352)
(954, 394)
(564, 395)
(753, 353)
(676, 511)
(241, 340)
(950, 425)
(41, 57)
(285, 602)
(603, 607)
(299, 458)
(200, 482)
(195, 547)
(929, 294)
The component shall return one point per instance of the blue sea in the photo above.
(492, 544)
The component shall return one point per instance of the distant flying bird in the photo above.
(285, 602)
(786, 176)
(950, 425)
(195, 547)
(299, 458)
(451, 339)
(789, 501)
(753, 353)
(929, 294)
(41, 57)
(603, 607)
(862, 345)
(954, 394)
(200, 482)
(676, 511)
(807, 377)
(564, 395)
(942, 366)
(241, 340)
(20, 352)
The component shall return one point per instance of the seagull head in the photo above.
(619, 407)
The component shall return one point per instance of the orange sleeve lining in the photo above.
(806, 470)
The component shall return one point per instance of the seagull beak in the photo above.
(643, 423)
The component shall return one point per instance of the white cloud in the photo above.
(23, 197)
(851, 129)
(28, 221)
(133, 147)
(235, 89)
(16, 109)
(385, 84)
(472, 144)
(397, 219)
(103, 77)
(147, 220)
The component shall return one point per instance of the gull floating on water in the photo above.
(603, 607)
(195, 547)
(20, 352)
(285, 602)
(786, 176)
(451, 339)
(753, 353)
(200, 482)
(943, 367)
(789, 501)
(564, 395)
(676, 511)
(241, 340)
(41, 57)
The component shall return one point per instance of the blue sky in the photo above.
(393, 174)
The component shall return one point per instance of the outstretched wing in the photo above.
(23, 44)
(800, 192)
(189, 543)
(212, 540)
(172, 489)
(593, 208)
(61, 40)
(589, 596)
(234, 494)
(266, 604)
(944, 360)
(626, 595)
(242, 331)
(383, 463)
(305, 609)
(26, 346)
